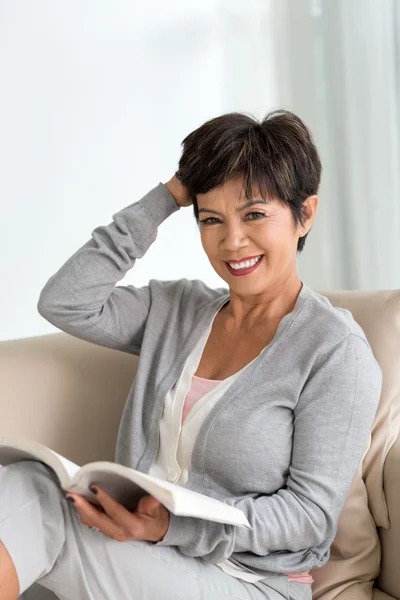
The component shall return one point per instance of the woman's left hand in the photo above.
(150, 521)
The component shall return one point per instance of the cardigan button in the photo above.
(173, 476)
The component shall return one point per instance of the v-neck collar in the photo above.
(243, 381)
(205, 320)
(205, 316)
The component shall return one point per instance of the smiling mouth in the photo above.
(243, 267)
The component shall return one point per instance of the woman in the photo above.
(261, 395)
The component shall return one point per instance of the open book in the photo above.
(122, 483)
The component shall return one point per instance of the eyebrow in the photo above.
(245, 205)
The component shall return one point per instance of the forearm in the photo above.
(82, 297)
(278, 522)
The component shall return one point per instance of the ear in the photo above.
(309, 211)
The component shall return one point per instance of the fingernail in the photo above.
(93, 489)
(71, 499)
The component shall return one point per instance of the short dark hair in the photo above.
(277, 157)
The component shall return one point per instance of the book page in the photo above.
(70, 467)
(188, 503)
(127, 486)
(106, 475)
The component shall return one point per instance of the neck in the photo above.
(245, 312)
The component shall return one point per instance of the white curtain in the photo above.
(337, 65)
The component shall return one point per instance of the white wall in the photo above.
(95, 99)
(96, 96)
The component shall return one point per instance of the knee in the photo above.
(33, 518)
(31, 468)
(27, 474)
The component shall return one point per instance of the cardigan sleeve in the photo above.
(82, 297)
(332, 424)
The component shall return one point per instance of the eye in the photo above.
(255, 216)
(210, 221)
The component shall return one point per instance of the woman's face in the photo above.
(252, 247)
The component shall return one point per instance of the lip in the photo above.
(242, 259)
(247, 270)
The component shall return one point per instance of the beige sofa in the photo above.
(69, 394)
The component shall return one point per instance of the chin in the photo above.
(243, 286)
(245, 289)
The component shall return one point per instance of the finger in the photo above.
(93, 517)
(118, 513)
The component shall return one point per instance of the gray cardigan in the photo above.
(283, 444)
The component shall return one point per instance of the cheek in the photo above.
(209, 243)
(203, 240)
(275, 239)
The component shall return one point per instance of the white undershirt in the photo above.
(173, 459)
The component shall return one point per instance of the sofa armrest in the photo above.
(65, 393)
(389, 578)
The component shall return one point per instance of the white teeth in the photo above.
(246, 264)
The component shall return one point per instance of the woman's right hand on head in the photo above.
(179, 192)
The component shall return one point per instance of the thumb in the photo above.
(148, 505)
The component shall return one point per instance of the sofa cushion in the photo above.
(355, 553)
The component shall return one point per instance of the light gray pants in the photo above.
(47, 543)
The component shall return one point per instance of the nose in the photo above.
(233, 238)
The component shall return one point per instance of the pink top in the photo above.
(199, 388)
